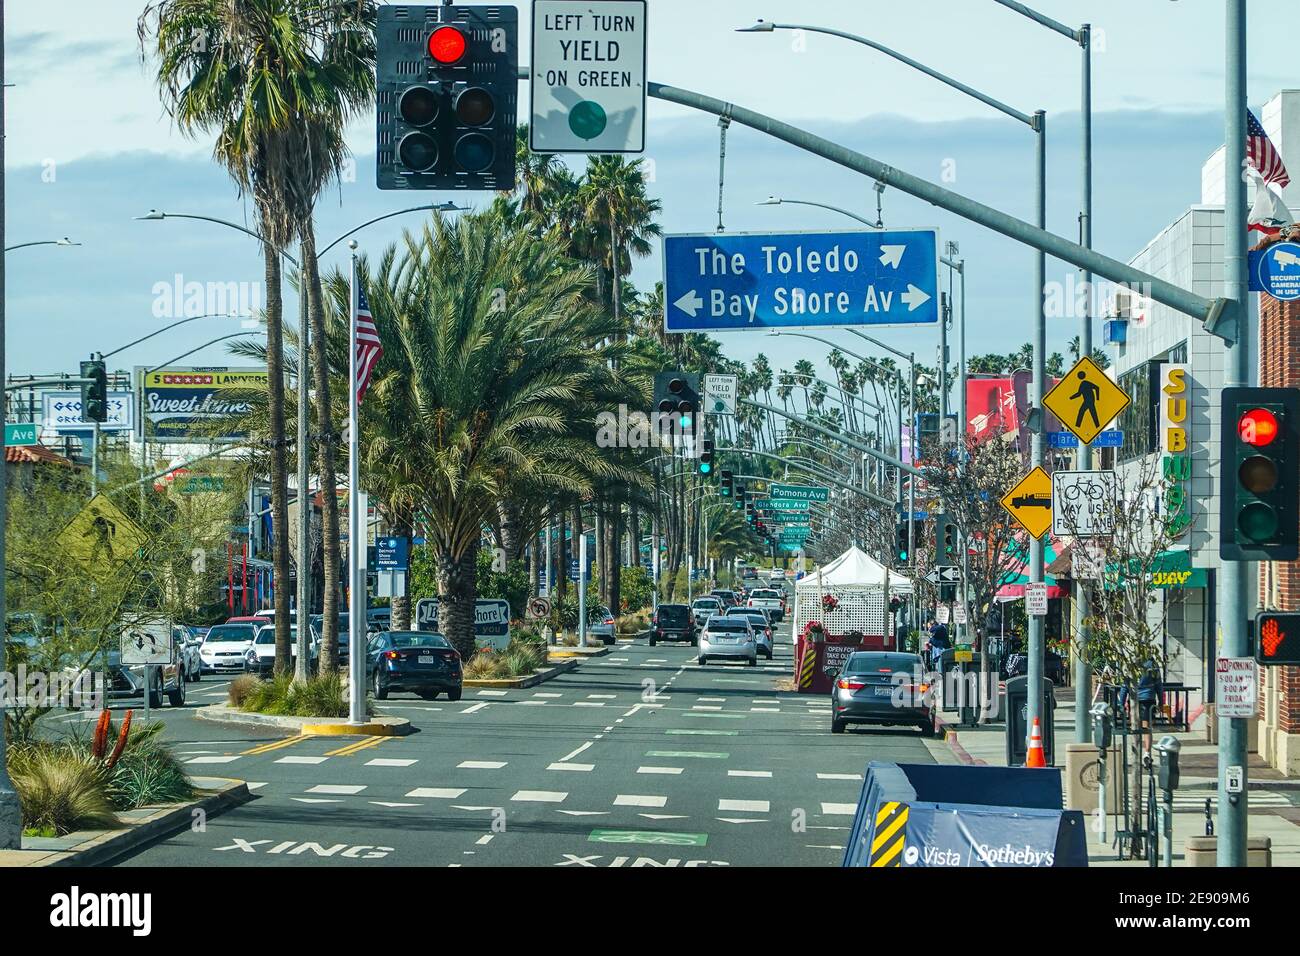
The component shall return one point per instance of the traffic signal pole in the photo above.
(1231, 845)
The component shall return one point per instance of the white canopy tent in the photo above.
(861, 585)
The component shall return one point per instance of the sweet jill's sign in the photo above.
(1176, 458)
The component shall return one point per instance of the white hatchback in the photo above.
(728, 638)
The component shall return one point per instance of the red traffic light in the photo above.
(447, 45)
(1257, 427)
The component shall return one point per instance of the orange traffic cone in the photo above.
(1035, 757)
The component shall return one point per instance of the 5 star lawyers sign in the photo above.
(732, 282)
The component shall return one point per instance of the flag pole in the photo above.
(356, 521)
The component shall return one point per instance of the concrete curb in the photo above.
(950, 738)
(100, 847)
(541, 675)
(562, 652)
(379, 726)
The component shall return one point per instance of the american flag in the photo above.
(1261, 154)
(369, 348)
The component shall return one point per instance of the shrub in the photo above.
(240, 688)
(146, 773)
(321, 696)
(483, 666)
(61, 789)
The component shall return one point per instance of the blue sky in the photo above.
(84, 157)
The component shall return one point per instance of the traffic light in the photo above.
(705, 464)
(1277, 638)
(741, 498)
(950, 541)
(447, 82)
(678, 394)
(727, 484)
(94, 394)
(1260, 448)
(900, 543)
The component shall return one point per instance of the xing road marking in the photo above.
(225, 759)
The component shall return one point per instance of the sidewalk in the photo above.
(1274, 799)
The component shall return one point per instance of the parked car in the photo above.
(865, 692)
(224, 646)
(127, 683)
(345, 643)
(673, 622)
(762, 627)
(260, 656)
(187, 641)
(379, 618)
(729, 638)
(423, 662)
(776, 574)
(704, 608)
(600, 624)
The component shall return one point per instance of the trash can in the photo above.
(963, 694)
(1017, 705)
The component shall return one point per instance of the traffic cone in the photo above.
(1035, 757)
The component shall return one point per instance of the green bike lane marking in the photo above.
(659, 837)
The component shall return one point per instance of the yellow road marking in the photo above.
(352, 748)
(276, 745)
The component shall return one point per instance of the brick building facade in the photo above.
(1279, 582)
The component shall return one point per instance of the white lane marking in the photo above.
(765, 774)
(535, 703)
(484, 840)
(474, 707)
(306, 760)
(588, 703)
(481, 764)
(742, 819)
(337, 789)
(492, 693)
(583, 767)
(388, 803)
(435, 793)
(314, 800)
(663, 770)
(586, 813)
(213, 759)
(569, 756)
(256, 786)
(839, 809)
(711, 700)
(706, 707)
(663, 816)
(656, 660)
(457, 806)
(602, 696)
(547, 695)
(539, 796)
(839, 776)
(765, 710)
(639, 800)
(746, 806)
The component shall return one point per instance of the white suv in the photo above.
(728, 637)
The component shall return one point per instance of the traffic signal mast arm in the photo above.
(819, 475)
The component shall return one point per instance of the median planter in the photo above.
(375, 726)
(542, 674)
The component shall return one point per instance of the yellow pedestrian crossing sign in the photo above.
(1030, 502)
(1086, 400)
(101, 534)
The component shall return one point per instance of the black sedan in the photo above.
(422, 662)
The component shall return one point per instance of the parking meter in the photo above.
(1102, 720)
(1168, 747)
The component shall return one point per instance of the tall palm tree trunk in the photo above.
(457, 591)
(279, 471)
(329, 652)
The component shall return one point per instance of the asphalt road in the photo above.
(638, 758)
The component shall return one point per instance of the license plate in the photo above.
(426, 659)
(884, 692)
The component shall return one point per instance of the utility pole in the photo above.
(1085, 459)
(1037, 439)
(11, 814)
(1231, 846)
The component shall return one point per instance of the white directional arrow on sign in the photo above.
(892, 255)
(914, 297)
(691, 303)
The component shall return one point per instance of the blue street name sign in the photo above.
(1107, 439)
(737, 281)
(1276, 270)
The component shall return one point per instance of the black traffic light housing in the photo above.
(94, 394)
(677, 394)
(1277, 638)
(949, 540)
(1259, 504)
(705, 464)
(900, 544)
(728, 484)
(447, 90)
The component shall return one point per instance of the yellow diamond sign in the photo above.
(102, 534)
(1086, 400)
(1030, 502)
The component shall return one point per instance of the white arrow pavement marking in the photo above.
(387, 803)
(892, 255)
(690, 303)
(914, 297)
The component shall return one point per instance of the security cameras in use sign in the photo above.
(588, 77)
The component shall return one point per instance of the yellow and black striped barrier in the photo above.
(808, 665)
(890, 835)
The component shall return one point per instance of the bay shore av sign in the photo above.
(491, 620)
(588, 76)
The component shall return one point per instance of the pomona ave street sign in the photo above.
(728, 282)
(803, 492)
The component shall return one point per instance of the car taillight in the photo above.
(609, 620)
(850, 684)
(392, 655)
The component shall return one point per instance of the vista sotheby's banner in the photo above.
(198, 404)
(729, 282)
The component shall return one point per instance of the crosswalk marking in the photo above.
(539, 796)
(435, 793)
(765, 774)
(337, 789)
(388, 803)
(475, 708)
(839, 809)
(745, 806)
(588, 703)
(583, 767)
(547, 695)
(639, 800)
(303, 760)
(492, 693)
(481, 764)
(839, 776)
(660, 770)
(224, 759)
(390, 762)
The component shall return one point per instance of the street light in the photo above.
(1038, 123)
(65, 241)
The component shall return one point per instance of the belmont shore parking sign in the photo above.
(588, 76)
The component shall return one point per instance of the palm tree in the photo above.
(231, 68)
